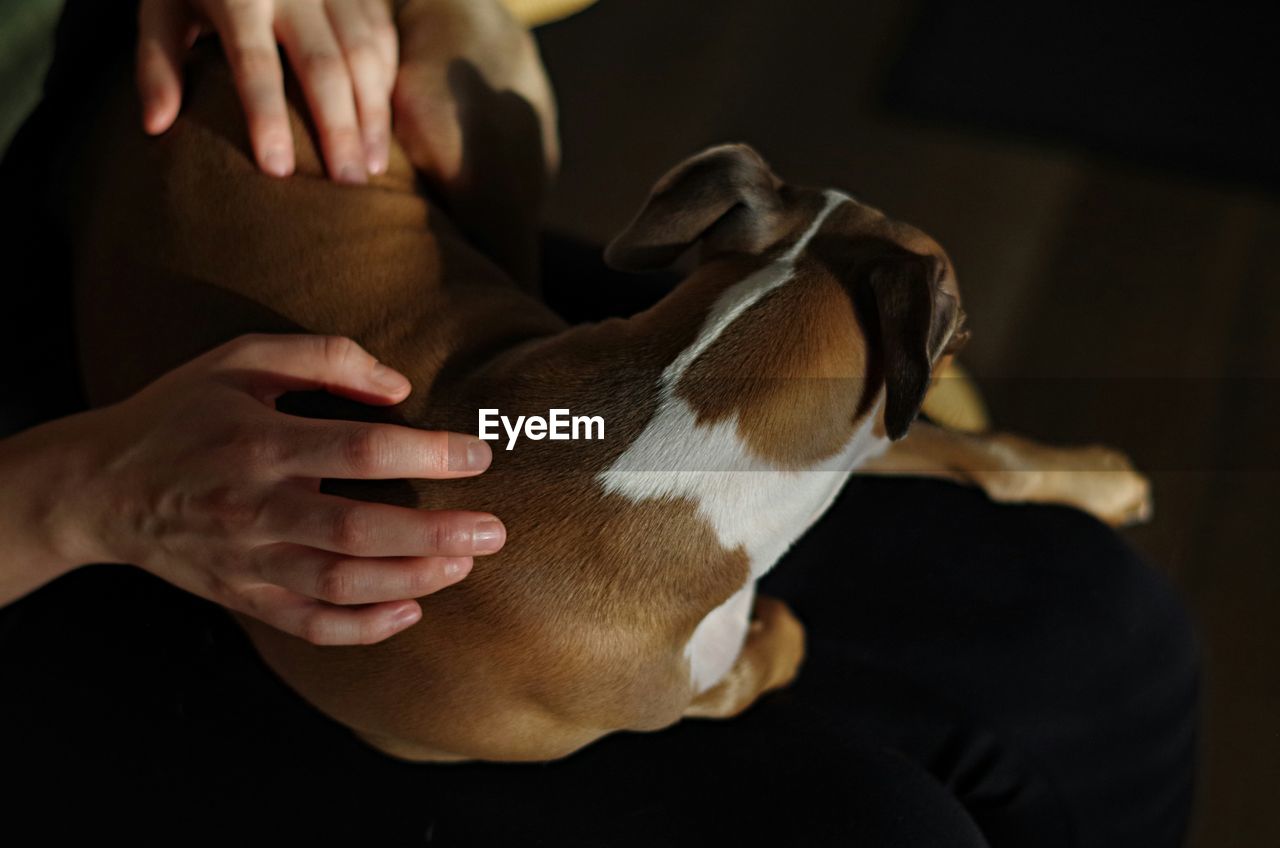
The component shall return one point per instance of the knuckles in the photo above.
(364, 53)
(315, 630)
(422, 580)
(237, 8)
(321, 66)
(338, 351)
(339, 583)
(230, 508)
(350, 530)
(254, 64)
(436, 536)
(367, 450)
(243, 346)
(219, 590)
(247, 447)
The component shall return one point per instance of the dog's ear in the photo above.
(901, 291)
(725, 197)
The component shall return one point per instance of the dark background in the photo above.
(1104, 179)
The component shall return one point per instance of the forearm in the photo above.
(41, 471)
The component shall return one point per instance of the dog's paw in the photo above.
(785, 634)
(1106, 484)
(1099, 480)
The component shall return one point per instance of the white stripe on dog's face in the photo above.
(752, 504)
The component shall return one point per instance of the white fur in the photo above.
(717, 640)
(752, 504)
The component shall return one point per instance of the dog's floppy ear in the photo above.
(901, 291)
(725, 197)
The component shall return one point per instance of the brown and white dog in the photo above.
(797, 351)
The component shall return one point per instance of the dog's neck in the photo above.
(754, 502)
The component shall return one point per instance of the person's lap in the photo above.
(1029, 659)
(957, 680)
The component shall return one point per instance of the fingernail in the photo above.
(454, 570)
(276, 163)
(153, 120)
(352, 173)
(467, 453)
(488, 536)
(406, 616)
(388, 379)
(376, 156)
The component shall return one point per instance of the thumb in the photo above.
(164, 30)
(276, 364)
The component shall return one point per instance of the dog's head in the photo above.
(819, 311)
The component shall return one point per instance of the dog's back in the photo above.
(182, 244)
(186, 227)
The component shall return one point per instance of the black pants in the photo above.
(977, 675)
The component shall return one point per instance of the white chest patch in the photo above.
(751, 503)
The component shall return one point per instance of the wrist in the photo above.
(78, 499)
(44, 530)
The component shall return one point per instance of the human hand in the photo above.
(201, 481)
(344, 53)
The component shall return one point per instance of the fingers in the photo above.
(372, 76)
(385, 36)
(325, 624)
(341, 580)
(361, 529)
(355, 451)
(307, 35)
(276, 364)
(344, 52)
(250, 45)
(163, 32)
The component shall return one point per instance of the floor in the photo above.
(1109, 302)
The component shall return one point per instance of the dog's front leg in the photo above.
(476, 114)
(769, 660)
(1096, 479)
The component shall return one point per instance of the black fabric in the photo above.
(40, 380)
(977, 675)
(1176, 85)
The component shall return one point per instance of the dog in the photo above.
(797, 351)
